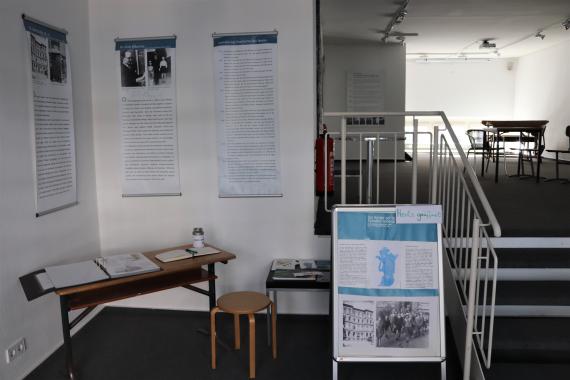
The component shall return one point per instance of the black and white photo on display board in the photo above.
(39, 57)
(57, 61)
(132, 67)
(402, 324)
(358, 321)
(158, 66)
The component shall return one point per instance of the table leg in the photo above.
(68, 349)
(483, 154)
(270, 313)
(334, 370)
(538, 158)
(267, 319)
(557, 173)
(212, 286)
(497, 160)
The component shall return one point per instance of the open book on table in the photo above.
(103, 268)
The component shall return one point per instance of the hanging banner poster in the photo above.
(147, 106)
(53, 128)
(387, 286)
(247, 114)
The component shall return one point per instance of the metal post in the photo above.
(471, 302)
(343, 161)
(434, 165)
(326, 167)
(66, 337)
(369, 164)
(334, 370)
(267, 319)
(415, 163)
(212, 286)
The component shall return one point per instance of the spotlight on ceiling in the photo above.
(566, 24)
(487, 44)
(401, 16)
(540, 35)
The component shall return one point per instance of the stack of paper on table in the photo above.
(181, 254)
(177, 254)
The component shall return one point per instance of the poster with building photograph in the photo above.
(245, 69)
(53, 124)
(386, 285)
(147, 104)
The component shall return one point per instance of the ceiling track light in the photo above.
(566, 24)
(540, 35)
(487, 44)
(397, 19)
(400, 17)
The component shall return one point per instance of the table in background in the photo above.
(535, 127)
(272, 286)
(181, 273)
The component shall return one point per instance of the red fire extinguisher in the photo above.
(322, 163)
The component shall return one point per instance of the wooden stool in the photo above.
(239, 303)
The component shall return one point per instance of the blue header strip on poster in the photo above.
(247, 39)
(44, 31)
(388, 292)
(151, 43)
(382, 226)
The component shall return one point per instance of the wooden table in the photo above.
(535, 127)
(182, 273)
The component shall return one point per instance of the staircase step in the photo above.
(528, 371)
(533, 274)
(533, 293)
(533, 258)
(526, 311)
(531, 340)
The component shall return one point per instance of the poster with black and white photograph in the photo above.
(247, 120)
(147, 104)
(53, 124)
(386, 285)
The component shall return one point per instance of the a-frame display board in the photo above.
(387, 285)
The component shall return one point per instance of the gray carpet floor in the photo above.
(522, 206)
(143, 344)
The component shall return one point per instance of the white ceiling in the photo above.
(449, 27)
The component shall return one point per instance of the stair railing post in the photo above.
(415, 163)
(342, 161)
(471, 301)
(434, 167)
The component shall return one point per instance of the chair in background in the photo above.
(531, 146)
(479, 145)
(557, 152)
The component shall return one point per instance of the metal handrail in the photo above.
(473, 259)
(492, 219)
(456, 187)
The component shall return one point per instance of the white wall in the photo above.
(542, 91)
(28, 243)
(462, 89)
(341, 58)
(256, 229)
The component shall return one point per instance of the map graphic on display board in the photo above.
(387, 284)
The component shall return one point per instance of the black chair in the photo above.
(479, 145)
(530, 147)
(557, 152)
